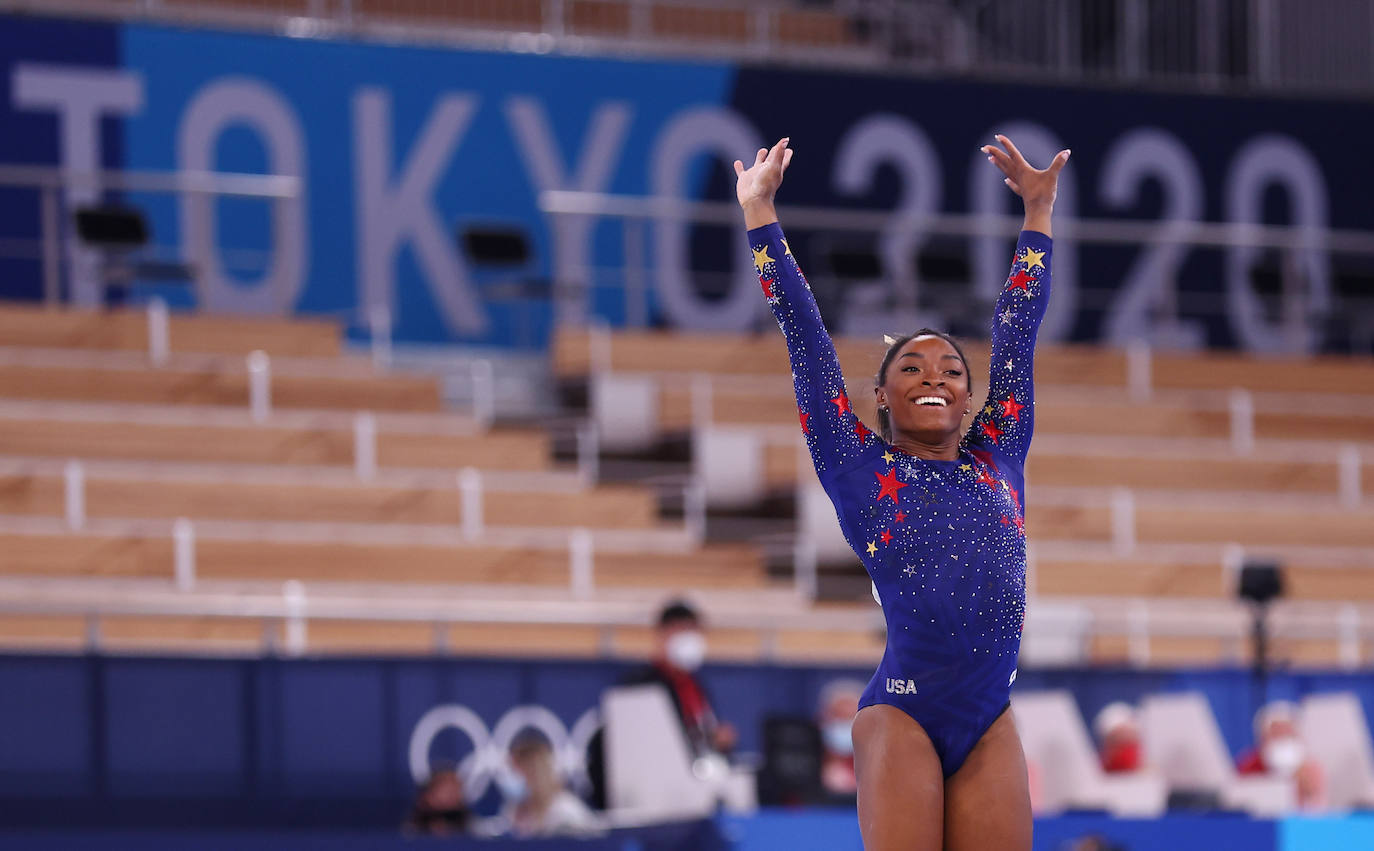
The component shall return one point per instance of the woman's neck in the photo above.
(943, 449)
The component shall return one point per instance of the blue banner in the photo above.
(402, 152)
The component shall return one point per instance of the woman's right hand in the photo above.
(755, 186)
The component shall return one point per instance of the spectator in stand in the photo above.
(537, 804)
(679, 651)
(1279, 752)
(439, 809)
(1118, 737)
(839, 703)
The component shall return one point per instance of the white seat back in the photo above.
(1183, 742)
(624, 409)
(648, 760)
(729, 464)
(1335, 730)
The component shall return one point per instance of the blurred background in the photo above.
(395, 447)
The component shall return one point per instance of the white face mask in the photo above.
(687, 650)
(512, 785)
(838, 737)
(1283, 756)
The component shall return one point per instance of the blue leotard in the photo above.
(943, 541)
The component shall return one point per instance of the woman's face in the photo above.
(926, 389)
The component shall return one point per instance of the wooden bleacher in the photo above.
(1192, 487)
(280, 499)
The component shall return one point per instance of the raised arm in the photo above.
(833, 433)
(1007, 420)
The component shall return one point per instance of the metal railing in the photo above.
(1211, 44)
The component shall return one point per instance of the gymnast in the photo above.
(935, 514)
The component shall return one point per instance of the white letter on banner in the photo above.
(215, 108)
(571, 234)
(1284, 162)
(80, 97)
(1141, 154)
(393, 212)
(697, 131)
(992, 252)
(890, 139)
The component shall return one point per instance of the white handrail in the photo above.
(581, 563)
(1242, 411)
(365, 445)
(159, 334)
(184, 554)
(1123, 521)
(74, 494)
(1138, 378)
(379, 331)
(470, 487)
(259, 385)
(293, 601)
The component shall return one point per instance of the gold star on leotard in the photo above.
(967, 468)
(1034, 258)
(761, 257)
(786, 249)
(872, 547)
(987, 409)
(887, 456)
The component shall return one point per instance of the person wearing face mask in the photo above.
(1279, 752)
(536, 803)
(1118, 735)
(679, 652)
(839, 703)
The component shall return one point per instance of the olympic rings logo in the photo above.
(488, 759)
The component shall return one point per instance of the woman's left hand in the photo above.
(1037, 187)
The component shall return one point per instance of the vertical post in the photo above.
(483, 393)
(470, 487)
(1350, 463)
(293, 598)
(74, 494)
(259, 385)
(580, 563)
(588, 455)
(1123, 521)
(365, 445)
(1350, 636)
(159, 332)
(1138, 370)
(1263, 40)
(184, 554)
(52, 252)
(379, 331)
(1242, 407)
(636, 294)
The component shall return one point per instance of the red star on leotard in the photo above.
(900, 517)
(1015, 495)
(992, 431)
(1005, 521)
(985, 479)
(1019, 281)
(885, 537)
(1012, 408)
(767, 284)
(861, 430)
(803, 416)
(842, 402)
(984, 457)
(1020, 525)
(888, 485)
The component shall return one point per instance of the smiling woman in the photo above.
(935, 514)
